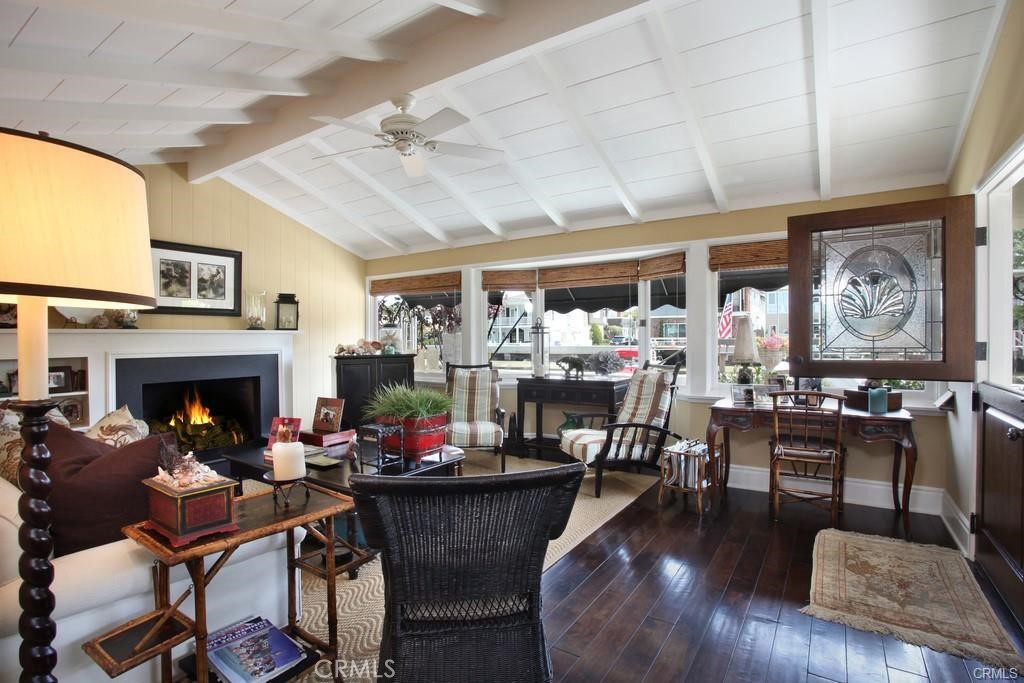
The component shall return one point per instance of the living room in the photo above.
(547, 188)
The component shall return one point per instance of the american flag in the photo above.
(725, 322)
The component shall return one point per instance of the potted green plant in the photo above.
(423, 414)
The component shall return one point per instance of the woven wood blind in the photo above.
(665, 265)
(615, 273)
(749, 255)
(498, 280)
(417, 284)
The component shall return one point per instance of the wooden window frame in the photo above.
(958, 325)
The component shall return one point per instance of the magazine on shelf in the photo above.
(308, 452)
(252, 651)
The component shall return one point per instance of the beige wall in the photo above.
(998, 119)
(278, 255)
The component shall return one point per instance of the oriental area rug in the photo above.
(921, 594)
(360, 603)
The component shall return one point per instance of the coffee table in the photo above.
(248, 463)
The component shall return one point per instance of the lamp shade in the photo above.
(76, 229)
(744, 352)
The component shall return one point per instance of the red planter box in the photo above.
(423, 435)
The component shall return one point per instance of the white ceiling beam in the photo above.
(283, 207)
(145, 158)
(221, 23)
(675, 69)
(43, 61)
(822, 95)
(104, 111)
(465, 200)
(557, 91)
(485, 9)
(458, 51)
(378, 188)
(149, 141)
(490, 138)
(332, 203)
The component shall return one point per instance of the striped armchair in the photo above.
(476, 419)
(636, 435)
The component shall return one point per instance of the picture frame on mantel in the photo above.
(196, 280)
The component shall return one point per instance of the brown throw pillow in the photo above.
(97, 489)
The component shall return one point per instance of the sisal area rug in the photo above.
(922, 594)
(360, 603)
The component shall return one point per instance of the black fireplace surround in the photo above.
(244, 387)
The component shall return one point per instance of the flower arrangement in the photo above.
(772, 342)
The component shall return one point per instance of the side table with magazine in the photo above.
(157, 632)
(686, 467)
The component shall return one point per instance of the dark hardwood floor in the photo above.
(657, 595)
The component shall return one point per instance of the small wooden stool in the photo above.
(686, 467)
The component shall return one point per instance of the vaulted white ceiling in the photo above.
(608, 111)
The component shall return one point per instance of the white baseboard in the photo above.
(877, 494)
(958, 525)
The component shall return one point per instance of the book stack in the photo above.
(251, 651)
(310, 452)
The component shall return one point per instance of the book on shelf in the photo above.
(251, 651)
(309, 452)
(322, 438)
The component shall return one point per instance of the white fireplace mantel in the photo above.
(102, 348)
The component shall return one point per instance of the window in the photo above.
(421, 315)
(600, 324)
(758, 298)
(509, 317)
(1018, 283)
(667, 322)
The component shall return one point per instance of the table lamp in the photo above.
(744, 351)
(76, 233)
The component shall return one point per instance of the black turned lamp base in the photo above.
(37, 656)
(745, 374)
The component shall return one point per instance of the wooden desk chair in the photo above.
(806, 444)
(634, 437)
(476, 420)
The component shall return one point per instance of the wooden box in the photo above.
(182, 516)
(858, 400)
(325, 439)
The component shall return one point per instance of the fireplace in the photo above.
(233, 397)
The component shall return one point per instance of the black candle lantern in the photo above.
(287, 312)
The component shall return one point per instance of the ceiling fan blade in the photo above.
(471, 151)
(414, 164)
(441, 122)
(334, 120)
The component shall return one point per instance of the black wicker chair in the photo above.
(462, 560)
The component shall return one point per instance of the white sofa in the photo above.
(100, 588)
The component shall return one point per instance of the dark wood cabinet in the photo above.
(359, 376)
(1000, 544)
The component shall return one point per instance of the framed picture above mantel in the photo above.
(196, 280)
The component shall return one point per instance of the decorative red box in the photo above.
(325, 439)
(182, 516)
(423, 435)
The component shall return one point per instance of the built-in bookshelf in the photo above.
(69, 386)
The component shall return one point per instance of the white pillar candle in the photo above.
(33, 351)
(289, 461)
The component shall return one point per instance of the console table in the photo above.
(897, 427)
(606, 393)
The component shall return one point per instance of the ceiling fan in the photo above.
(410, 135)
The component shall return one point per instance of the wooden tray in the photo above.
(113, 650)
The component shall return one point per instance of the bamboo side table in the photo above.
(157, 632)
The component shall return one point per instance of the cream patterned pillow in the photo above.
(10, 454)
(117, 428)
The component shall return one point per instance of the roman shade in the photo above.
(665, 265)
(418, 284)
(516, 280)
(588, 275)
(749, 255)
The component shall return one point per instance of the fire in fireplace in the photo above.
(196, 428)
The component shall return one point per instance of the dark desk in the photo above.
(897, 427)
(606, 393)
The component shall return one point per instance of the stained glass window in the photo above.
(877, 293)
